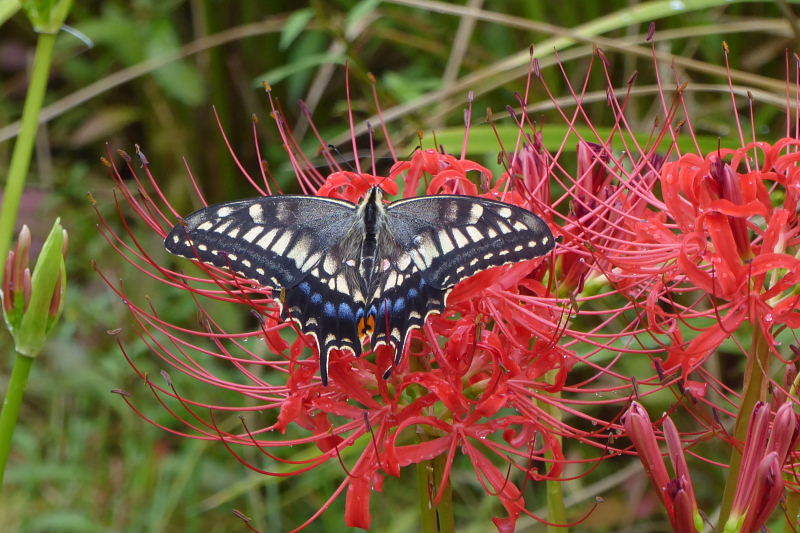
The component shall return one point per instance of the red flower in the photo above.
(718, 230)
(479, 378)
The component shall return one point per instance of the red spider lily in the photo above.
(760, 486)
(718, 230)
(676, 493)
(480, 379)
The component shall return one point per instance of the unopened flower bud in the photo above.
(729, 188)
(32, 303)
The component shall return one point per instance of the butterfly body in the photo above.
(355, 273)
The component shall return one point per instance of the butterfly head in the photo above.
(374, 196)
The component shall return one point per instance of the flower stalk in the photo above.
(32, 305)
(755, 380)
(556, 511)
(47, 18)
(435, 517)
(11, 405)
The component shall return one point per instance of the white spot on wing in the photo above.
(503, 227)
(280, 245)
(329, 265)
(256, 212)
(504, 212)
(222, 227)
(264, 241)
(252, 233)
(224, 211)
(299, 252)
(475, 213)
(474, 233)
(445, 242)
(403, 261)
(341, 284)
(312, 260)
(459, 237)
(520, 226)
(205, 225)
(391, 280)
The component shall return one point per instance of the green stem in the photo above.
(756, 375)
(11, 405)
(556, 511)
(434, 518)
(23, 148)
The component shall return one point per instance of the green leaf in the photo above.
(278, 74)
(483, 140)
(295, 25)
(7, 9)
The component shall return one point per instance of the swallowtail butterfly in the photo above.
(348, 273)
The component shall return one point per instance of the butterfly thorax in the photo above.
(373, 219)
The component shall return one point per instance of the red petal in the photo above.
(356, 507)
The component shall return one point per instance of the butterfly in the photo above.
(350, 274)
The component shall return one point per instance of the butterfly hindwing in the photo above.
(451, 238)
(401, 303)
(324, 308)
(274, 240)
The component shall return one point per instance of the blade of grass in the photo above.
(587, 33)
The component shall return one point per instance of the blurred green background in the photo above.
(149, 74)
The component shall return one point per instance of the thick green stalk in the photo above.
(556, 512)
(23, 148)
(756, 376)
(434, 518)
(11, 404)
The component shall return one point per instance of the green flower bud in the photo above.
(32, 304)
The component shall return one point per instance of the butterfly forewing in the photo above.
(275, 240)
(450, 238)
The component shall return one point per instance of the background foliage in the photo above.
(83, 461)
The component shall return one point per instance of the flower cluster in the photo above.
(662, 256)
(487, 379)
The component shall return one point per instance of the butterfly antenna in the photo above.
(341, 158)
(371, 148)
(350, 115)
(467, 123)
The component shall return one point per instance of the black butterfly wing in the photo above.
(275, 240)
(437, 241)
(451, 238)
(329, 302)
(297, 244)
